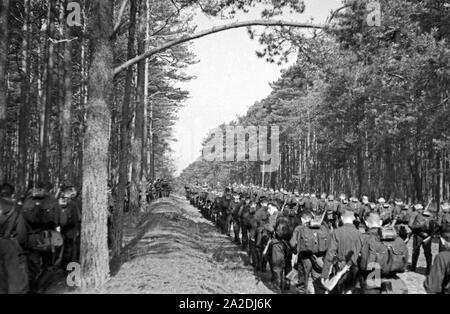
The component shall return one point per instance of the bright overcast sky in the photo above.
(229, 79)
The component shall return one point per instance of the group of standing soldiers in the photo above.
(342, 245)
(40, 233)
(39, 236)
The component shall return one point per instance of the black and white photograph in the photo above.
(224, 152)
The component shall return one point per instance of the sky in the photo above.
(229, 79)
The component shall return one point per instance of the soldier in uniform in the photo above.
(322, 203)
(380, 204)
(420, 226)
(344, 249)
(244, 220)
(331, 217)
(261, 220)
(398, 207)
(13, 240)
(252, 227)
(223, 209)
(280, 254)
(235, 208)
(386, 212)
(314, 204)
(365, 207)
(402, 221)
(438, 280)
(42, 214)
(342, 208)
(306, 203)
(309, 263)
(374, 250)
(444, 220)
(355, 207)
(70, 224)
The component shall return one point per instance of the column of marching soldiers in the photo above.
(320, 244)
(40, 233)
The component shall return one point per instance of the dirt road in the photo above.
(181, 252)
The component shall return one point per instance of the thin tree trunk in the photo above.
(137, 178)
(125, 127)
(43, 165)
(148, 112)
(66, 121)
(94, 245)
(24, 110)
(4, 42)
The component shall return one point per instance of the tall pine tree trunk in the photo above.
(137, 183)
(148, 111)
(24, 109)
(4, 42)
(43, 161)
(125, 127)
(94, 245)
(66, 119)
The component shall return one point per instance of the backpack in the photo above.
(421, 223)
(40, 211)
(390, 255)
(45, 241)
(235, 208)
(283, 229)
(313, 241)
(445, 222)
(307, 204)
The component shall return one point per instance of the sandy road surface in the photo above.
(181, 252)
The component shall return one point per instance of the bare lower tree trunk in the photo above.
(148, 112)
(4, 42)
(66, 121)
(94, 245)
(125, 127)
(137, 178)
(83, 101)
(24, 110)
(43, 162)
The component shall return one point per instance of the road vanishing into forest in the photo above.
(175, 250)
